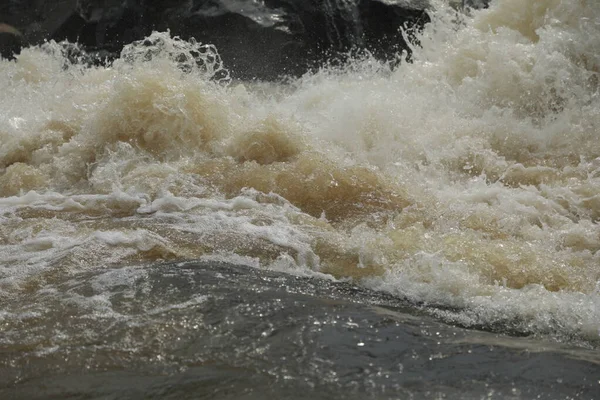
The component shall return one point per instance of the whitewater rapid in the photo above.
(466, 180)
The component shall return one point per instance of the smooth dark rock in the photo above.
(262, 40)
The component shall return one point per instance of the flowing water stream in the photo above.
(339, 221)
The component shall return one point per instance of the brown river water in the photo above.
(458, 193)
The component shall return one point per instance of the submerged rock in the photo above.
(263, 39)
(214, 330)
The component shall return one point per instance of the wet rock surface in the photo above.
(220, 331)
(257, 39)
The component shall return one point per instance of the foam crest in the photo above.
(191, 57)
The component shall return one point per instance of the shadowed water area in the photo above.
(425, 227)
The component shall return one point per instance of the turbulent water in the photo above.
(466, 181)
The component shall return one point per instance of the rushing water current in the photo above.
(340, 220)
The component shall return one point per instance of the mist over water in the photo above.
(466, 180)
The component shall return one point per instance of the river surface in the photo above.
(428, 230)
(194, 330)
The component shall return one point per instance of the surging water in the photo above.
(467, 180)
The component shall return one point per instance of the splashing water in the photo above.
(467, 181)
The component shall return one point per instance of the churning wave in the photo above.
(467, 180)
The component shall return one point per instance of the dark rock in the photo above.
(10, 41)
(265, 39)
(477, 4)
(37, 19)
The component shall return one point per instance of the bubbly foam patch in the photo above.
(467, 180)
